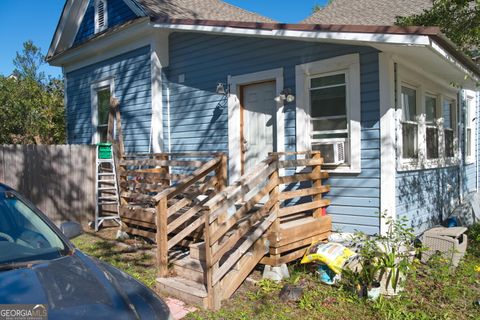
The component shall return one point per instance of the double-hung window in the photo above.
(328, 113)
(427, 122)
(432, 135)
(101, 92)
(449, 127)
(409, 122)
(469, 129)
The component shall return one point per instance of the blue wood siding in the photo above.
(118, 12)
(131, 73)
(427, 197)
(198, 117)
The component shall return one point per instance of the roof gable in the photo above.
(367, 12)
(118, 12)
(76, 23)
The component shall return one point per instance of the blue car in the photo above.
(39, 266)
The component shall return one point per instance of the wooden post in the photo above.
(164, 169)
(317, 183)
(274, 195)
(213, 294)
(221, 175)
(162, 238)
(221, 172)
(119, 140)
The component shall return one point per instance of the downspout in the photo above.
(477, 114)
(460, 136)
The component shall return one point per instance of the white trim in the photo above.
(435, 47)
(235, 82)
(68, 26)
(158, 56)
(469, 96)
(132, 37)
(387, 138)
(410, 39)
(139, 12)
(94, 87)
(168, 118)
(99, 28)
(351, 64)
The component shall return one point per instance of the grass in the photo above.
(137, 261)
(433, 291)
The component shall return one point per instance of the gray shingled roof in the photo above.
(199, 9)
(367, 12)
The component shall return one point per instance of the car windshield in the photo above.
(24, 236)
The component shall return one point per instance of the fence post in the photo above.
(162, 238)
(317, 183)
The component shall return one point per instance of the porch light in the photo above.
(285, 95)
(221, 89)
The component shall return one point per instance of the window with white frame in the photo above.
(449, 121)
(101, 15)
(409, 122)
(101, 92)
(469, 129)
(432, 135)
(328, 111)
(328, 116)
(427, 131)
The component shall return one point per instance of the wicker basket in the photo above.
(450, 242)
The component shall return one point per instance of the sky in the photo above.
(36, 20)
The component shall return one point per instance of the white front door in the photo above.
(258, 123)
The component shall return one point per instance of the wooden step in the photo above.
(197, 251)
(191, 269)
(189, 291)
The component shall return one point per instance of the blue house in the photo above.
(393, 110)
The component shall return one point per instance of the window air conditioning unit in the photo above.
(332, 152)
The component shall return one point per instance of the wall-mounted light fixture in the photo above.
(285, 95)
(221, 89)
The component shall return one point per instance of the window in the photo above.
(328, 111)
(448, 127)
(432, 136)
(469, 129)
(426, 122)
(101, 16)
(101, 92)
(103, 97)
(409, 123)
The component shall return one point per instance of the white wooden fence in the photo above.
(58, 179)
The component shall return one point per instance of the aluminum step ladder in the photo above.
(106, 186)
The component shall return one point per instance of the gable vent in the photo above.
(100, 15)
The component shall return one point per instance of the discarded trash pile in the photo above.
(375, 265)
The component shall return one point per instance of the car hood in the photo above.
(78, 286)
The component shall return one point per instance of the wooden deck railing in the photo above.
(163, 196)
(240, 218)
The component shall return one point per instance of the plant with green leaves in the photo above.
(396, 251)
(361, 274)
